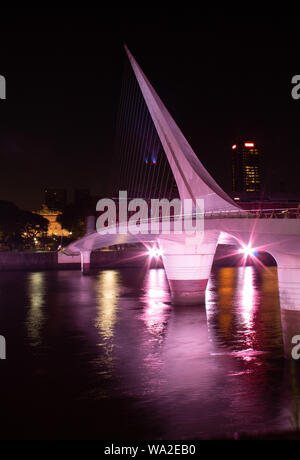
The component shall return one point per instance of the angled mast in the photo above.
(193, 180)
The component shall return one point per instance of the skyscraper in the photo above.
(246, 176)
(82, 198)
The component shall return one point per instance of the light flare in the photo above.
(155, 253)
(248, 251)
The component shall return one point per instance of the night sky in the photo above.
(221, 76)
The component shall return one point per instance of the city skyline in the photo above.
(62, 100)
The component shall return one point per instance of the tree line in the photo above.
(18, 228)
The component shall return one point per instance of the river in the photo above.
(107, 356)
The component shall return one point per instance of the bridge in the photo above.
(188, 262)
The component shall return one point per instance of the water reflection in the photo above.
(189, 372)
(107, 289)
(36, 314)
(221, 291)
(186, 350)
(246, 293)
(248, 296)
(240, 305)
(156, 310)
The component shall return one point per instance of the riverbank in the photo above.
(280, 436)
(31, 261)
(39, 261)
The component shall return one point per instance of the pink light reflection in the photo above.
(248, 312)
(156, 298)
(248, 296)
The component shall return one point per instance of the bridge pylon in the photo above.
(288, 267)
(188, 263)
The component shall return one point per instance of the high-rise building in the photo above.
(246, 176)
(82, 197)
(56, 199)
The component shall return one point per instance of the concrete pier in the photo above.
(188, 266)
(85, 262)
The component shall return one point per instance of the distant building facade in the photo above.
(54, 228)
(56, 199)
(246, 169)
(82, 198)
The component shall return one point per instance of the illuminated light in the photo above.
(154, 158)
(234, 147)
(249, 145)
(152, 252)
(236, 199)
(155, 253)
(248, 251)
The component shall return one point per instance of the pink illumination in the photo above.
(156, 311)
(249, 145)
(248, 251)
(234, 147)
(251, 252)
(155, 253)
(248, 311)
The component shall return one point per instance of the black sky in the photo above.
(220, 75)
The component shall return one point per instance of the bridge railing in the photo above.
(279, 213)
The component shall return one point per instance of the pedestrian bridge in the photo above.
(188, 261)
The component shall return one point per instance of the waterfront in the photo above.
(107, 356)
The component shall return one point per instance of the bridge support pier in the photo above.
(288, 278)
(85, 262)
(188, 265)
(288, 267)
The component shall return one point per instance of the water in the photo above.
(108, 357)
